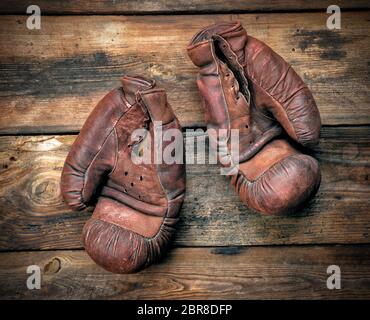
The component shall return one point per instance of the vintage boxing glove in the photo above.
(137, 201)
(246, 86)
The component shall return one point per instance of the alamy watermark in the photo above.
(168, 147)
(34, 280)
(334, 280)
(334, 20)
(34, 20)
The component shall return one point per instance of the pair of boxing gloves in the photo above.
(245, 87)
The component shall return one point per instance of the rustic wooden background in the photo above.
(50, 79)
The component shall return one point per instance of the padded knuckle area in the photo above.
(283, 188)
(114, 248)
(120, 250)
(287, 185)
(270, 155)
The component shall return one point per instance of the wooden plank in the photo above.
(52, 78)
(33, 215)
(195, 273)
(166, 6)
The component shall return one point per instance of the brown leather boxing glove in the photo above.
(246, 86)
(138, 202)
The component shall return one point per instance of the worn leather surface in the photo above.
(245, 85)
(137, 204)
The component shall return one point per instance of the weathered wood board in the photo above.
(50, 79)
(195, 273)
(33, 216)
(167, 6)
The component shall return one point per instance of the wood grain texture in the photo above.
(33, 216)
(195, 273)
(52, 78)
(167, 6)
